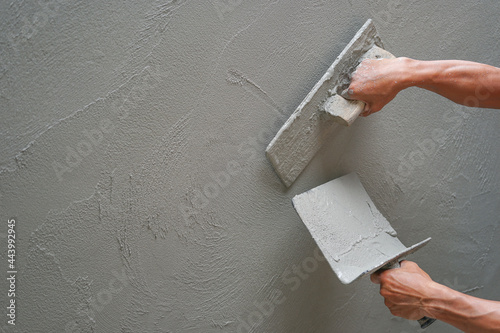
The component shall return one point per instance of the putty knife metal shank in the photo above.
(353, 235)
(318, 115)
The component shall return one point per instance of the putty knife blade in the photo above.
(353, 235)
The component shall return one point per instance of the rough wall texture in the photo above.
(132, 157)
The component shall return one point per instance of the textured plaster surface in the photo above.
(132, 157)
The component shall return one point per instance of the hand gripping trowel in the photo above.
(353, 235)
(323, 108)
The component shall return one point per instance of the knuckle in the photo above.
(384, 276)
(366, 61)
(394, 312)
(385, 293)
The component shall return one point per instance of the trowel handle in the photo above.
(424, 321)
(392, 265)
(343, 111)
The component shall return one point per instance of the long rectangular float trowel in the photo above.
(353, 235)
(300, 138)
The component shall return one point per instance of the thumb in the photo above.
(347, 93)
(375, 277)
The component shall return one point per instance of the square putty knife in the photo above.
(353, 235)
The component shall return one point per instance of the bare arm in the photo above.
(377, 82)
(410, 293)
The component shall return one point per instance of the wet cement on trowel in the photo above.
(350, 231)
(309, 127)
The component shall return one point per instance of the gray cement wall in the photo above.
(132, 159)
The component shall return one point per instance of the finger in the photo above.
(413, 267)
(375, 278)
(408, 264)
(347, 93)
(404, 263)
(366, 111)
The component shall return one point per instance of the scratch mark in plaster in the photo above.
(156, 26)
(221, 324)
(168, 151)
(229, 42)
(71, 205)
(484, 257)
(163, 11)
(100, 214)
(166, 10)
(19, 156)
(111, 186)
(124, 248)
(235, 77)
(130, 193)
(80, 283)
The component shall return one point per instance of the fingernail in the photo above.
(346, 93)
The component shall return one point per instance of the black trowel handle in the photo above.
(424, 321)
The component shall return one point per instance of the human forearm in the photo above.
(467, 313)
(377, 82)
(464, 82)
(410, 293)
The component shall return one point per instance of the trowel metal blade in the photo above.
(300, 138)
(353, 235)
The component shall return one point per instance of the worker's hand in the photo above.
(377, 82)
(405, 290)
